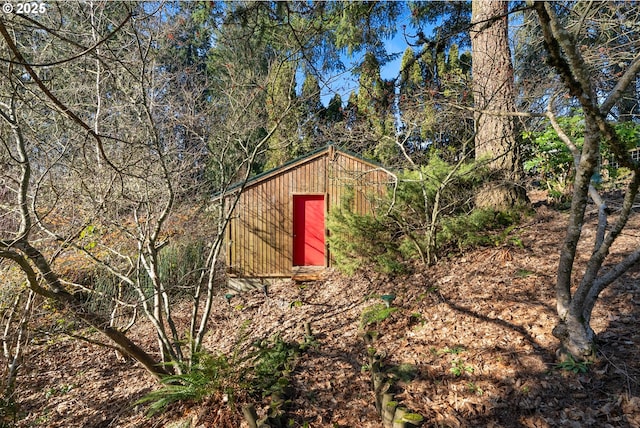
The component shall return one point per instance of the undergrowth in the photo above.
(429, 214)
(375, 314)
(258, 372)
(8, 412)
(481, 227)
(209, 374)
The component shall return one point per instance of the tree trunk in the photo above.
(494, 92)
(577, 338)
(77, 309)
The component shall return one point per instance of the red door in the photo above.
(308, 230)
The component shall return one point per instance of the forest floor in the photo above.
(470, 342)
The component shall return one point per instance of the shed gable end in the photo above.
(260, 235)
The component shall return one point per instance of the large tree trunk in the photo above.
(494, 95)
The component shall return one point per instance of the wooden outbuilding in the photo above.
(279, 225)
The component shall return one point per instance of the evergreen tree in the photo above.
(334, 114)
(355, 26)
(429, 95)
(351, 113)
(375, 104)
(449, 21)
(312, 113)
(493, 88)
(281, 106)
(411, 74)
(415, 108)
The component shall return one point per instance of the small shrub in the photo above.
(8, 412)
(430, 210)
(375, 314)
(273, 360)
(458, 368)
(179, 267)
(551, 161)
(456, 350)
(363, 241)
(571, 365)
(474, 389)
(208, 374)
(481, 227)
(260, 371)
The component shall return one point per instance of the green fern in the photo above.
(208, 374)
(272, 361)
(262, 371)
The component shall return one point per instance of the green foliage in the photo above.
(452, 351)
(474, 389)
(429, 211)
(458, 368)
(273, 360)
(59, 390)
(356, 26)
(89, 235)
(375, 314)
(178, 266)
(208, 374)
(284, 144)
(8, 412)
(479, 228)
(430, 82)
(359, 241)
(571, 365)
(524, 273)
(452, 184)
(629, 134)
(551, 159)
(552, 162)
(429, 199)
(262, 371)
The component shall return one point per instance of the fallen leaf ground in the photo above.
(470, 343)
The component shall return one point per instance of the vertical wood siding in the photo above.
(259, 237)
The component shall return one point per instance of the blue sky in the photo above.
(346, 82)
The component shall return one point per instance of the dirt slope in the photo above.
(471, 343)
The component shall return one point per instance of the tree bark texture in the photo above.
(493, 89)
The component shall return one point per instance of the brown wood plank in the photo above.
(308, 273)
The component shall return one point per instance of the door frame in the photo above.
(324, 214)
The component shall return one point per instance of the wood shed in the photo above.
(279, 225)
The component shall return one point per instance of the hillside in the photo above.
(470, 343)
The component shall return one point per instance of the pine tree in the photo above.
(429, 92)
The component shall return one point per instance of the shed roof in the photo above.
(266, 175)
